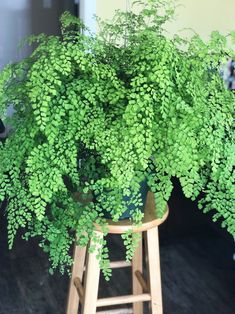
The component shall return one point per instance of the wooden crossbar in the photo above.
(142, 281)
(119, 264)
(117, 311)
(116, 264)
(80, 289)
(116, 300)
(125, 299)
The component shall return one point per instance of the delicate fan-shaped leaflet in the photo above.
(5, 77)
(97, 115)
(221, 188)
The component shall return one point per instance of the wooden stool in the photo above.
(142, 290)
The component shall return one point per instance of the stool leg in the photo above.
(146, 259)
(77, 271)
(137, 265)
(154, 271)
(91, 281)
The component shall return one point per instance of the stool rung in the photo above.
(119, 264)
(79, 287)
(117, 311)
(116, 264)
(123, 299)
(142, 281)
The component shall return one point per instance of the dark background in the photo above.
(198, 271)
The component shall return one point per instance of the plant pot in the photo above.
(130, 208)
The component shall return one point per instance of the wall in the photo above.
(45, 16)
(87, 11)
(201, 15)
(15, 24)
(106, 8)
(205, 16)
(20, 18)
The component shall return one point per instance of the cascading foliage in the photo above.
(98, 114)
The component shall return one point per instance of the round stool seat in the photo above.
(149, 221)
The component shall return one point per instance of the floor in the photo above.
(198, 277)
(198, 273)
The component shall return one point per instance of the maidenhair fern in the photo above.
(96, 115)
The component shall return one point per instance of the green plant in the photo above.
(101, 113)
